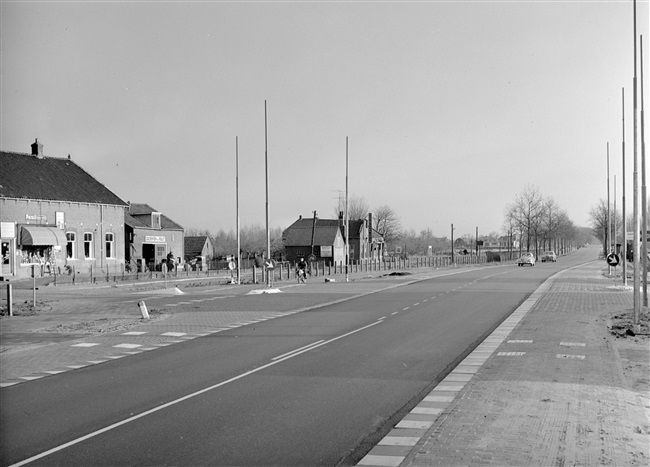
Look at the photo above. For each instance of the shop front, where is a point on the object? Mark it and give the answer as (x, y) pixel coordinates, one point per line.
(25, 247)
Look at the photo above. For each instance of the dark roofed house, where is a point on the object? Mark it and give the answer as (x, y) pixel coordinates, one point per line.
(321, 238)
(56, 216)
(199, 246)
(365, 243)
(152, 238)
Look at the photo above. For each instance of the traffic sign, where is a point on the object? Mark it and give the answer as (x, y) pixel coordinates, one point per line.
(613, 259)
(270, 264)
(231, 265)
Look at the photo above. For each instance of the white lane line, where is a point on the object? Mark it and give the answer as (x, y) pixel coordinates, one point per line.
(416, 304)
(394, 312)
(184, 398)
(404, 309)
(297, 350)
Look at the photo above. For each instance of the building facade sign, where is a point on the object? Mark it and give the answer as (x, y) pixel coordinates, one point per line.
(41, 219)
(154, 238)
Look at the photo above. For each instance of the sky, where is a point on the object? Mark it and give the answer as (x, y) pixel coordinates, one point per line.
(450, 108)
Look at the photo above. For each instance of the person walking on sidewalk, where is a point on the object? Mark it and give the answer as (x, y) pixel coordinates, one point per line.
(301, 271)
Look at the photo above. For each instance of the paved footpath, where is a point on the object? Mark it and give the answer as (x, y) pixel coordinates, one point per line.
(548, 387)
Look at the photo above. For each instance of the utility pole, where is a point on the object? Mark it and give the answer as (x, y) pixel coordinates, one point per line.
(266, 167)
(347, 216)
(644, 197)
(637, 227)
(624, 250)
(237, 208)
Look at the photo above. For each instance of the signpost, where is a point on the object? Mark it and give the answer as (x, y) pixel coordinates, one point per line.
(270, 267)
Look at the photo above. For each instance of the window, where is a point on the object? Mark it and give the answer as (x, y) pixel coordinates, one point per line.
(155, 220)
(110, 245)
(88, 245)
(71, 247)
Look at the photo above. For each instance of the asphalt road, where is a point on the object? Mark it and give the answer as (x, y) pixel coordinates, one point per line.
(316, 388)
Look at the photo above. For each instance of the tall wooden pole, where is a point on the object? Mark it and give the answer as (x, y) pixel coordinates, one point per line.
(347, 215)
(624, 250)
(266, 166)
(237, 209)
(644, 196)
(637, 227)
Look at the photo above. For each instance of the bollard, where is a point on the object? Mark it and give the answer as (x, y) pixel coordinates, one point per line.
(143, 309)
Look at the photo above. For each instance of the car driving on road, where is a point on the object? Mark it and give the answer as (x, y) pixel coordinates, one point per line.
(549, 256)
(526, 258)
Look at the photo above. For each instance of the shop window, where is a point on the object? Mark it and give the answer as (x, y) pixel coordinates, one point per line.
(88, 245)
(110, 245)
(71, 246)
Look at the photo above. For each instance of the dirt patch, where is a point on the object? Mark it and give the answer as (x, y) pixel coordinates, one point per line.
(102, 325)
(27, 308)
(633, 347)
(622, 325)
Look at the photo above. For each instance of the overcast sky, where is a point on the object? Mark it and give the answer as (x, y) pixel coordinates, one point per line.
(451, 108)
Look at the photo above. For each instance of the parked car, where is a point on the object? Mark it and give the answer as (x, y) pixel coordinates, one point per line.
(526, 258)
(549, 256)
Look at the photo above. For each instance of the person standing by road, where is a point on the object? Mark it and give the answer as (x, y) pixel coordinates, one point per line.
(301, 271)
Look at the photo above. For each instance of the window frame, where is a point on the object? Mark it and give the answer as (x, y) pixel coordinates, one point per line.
(109, 245)
(89, 245)
(71, 245)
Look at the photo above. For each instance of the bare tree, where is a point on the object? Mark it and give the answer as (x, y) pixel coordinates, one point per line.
(599, 226)
(358, 207)
(525, 214)
(387, 223)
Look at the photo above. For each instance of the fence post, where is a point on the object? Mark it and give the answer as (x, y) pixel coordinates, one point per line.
(10, 306)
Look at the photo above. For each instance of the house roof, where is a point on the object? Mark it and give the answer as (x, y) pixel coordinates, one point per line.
(24, 176)
(139, 215)
(300, 232)
(194, 245)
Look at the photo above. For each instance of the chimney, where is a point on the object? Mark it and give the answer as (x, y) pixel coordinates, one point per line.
(37, 149)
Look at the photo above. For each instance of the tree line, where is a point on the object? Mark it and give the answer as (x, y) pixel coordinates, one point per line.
(532, 221)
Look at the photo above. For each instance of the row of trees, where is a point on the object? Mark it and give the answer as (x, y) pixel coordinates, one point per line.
(538, 223)
(535, 221)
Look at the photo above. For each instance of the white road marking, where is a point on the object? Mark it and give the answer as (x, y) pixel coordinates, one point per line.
(184, 398)
(297, 350)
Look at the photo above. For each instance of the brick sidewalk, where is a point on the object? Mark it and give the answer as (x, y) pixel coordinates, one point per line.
(546, 389)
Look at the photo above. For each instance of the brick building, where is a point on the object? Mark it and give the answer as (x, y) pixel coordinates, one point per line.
(55, 216)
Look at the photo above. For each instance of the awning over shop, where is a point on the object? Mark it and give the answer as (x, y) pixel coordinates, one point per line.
(40, 235)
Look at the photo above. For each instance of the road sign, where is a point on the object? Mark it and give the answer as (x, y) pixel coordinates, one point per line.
(270, 264)
(231, 265)
(312, 258)
(613, 259)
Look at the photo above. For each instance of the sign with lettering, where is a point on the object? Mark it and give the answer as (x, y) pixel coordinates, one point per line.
(326, 251)
(36, 217)
(154, 238)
